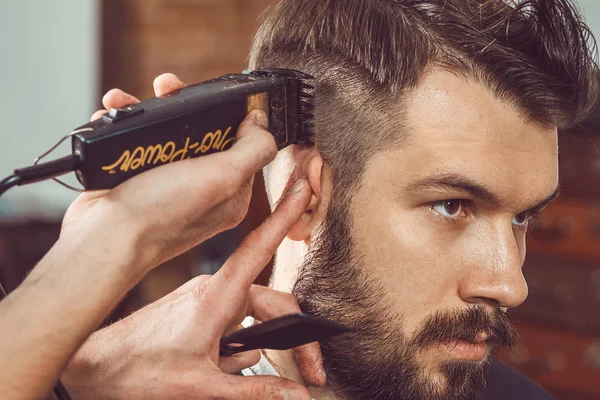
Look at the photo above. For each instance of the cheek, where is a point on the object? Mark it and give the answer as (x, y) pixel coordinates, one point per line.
(411, 258)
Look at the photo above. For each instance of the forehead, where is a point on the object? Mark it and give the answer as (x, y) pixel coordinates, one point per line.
(458, 126)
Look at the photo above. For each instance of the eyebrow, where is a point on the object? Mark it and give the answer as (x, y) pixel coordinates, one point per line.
(458, 182)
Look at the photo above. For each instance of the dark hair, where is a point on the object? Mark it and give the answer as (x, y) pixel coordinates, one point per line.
(536, 54)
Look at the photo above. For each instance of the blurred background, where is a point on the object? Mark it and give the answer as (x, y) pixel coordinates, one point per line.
(59, 58)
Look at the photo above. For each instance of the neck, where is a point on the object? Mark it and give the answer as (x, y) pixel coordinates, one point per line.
(288, 259)
(285, 364)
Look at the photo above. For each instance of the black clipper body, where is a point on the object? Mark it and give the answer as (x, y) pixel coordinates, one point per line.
(197, 120)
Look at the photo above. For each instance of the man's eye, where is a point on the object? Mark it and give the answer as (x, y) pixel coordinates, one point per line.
(521, 219)
(450, 208)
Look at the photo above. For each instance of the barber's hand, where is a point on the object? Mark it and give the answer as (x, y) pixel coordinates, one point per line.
(163, 212)
(170, 349)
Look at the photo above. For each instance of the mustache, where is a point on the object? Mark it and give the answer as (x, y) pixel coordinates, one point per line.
(465, 325)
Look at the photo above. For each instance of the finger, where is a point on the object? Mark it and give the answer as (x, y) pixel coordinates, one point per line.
(244, 265)
(260, 388)
(193, 284)
(310, 361)
(98, 114)
(167, 83)
(254, 148)
(237, 362)
(116, 98)
(265, 304)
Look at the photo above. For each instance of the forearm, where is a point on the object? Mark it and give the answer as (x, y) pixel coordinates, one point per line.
(57, 307)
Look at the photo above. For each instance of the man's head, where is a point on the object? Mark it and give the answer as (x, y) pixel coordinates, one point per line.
(436, 131)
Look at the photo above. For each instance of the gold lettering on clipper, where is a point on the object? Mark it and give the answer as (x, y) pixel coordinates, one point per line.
(167, 153)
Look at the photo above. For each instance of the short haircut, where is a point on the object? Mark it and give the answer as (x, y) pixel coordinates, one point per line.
(538, 55)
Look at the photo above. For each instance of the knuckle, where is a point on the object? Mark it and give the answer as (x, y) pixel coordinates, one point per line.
(185, 386)
(200, 279)
(253, 239)
(230, 186)
(200, 287)
(262, 144)
(212, 393)
(262, 391)
(225, 178)
(235, 211)
(290, 301)
(276, 389)
(238, 214)
(270, 145)
(245, 125)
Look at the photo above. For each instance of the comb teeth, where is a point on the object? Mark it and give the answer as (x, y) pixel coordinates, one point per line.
(306, 116)
(307, 105)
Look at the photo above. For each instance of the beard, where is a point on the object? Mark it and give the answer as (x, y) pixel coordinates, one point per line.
(377, 360)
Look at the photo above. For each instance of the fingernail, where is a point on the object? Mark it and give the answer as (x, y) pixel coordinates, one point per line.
(260, 118)
(298, 186)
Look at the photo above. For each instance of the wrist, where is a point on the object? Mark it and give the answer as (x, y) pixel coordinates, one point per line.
(80, 374)
(88, 374)
(114, 247)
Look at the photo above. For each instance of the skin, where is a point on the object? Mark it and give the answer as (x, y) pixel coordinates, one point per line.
(429, 255)
(109, 240)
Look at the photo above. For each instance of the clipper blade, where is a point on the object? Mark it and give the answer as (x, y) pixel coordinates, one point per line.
(306, 116)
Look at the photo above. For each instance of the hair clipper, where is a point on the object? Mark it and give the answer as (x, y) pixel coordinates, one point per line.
(194, 121)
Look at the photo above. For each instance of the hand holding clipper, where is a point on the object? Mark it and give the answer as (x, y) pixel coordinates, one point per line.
(195, 198)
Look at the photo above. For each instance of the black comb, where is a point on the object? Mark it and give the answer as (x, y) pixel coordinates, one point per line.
(281, 334)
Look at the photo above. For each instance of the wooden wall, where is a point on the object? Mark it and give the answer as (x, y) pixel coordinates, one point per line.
(195, 39)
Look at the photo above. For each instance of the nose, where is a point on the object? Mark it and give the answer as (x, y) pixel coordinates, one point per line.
(493, 275)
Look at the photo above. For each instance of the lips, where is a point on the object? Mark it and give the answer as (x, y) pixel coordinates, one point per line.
(475, 350)
(474, 333)
(465, 350)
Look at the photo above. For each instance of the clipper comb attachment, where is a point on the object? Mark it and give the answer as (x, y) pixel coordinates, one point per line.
(302, 95)
(306, 114)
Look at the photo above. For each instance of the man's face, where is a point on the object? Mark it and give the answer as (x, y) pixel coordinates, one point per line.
(430, 248)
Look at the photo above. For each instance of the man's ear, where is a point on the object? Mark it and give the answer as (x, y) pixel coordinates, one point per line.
(312, 170)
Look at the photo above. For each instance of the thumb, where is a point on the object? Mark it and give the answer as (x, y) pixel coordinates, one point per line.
(263, 387)
(254, 147)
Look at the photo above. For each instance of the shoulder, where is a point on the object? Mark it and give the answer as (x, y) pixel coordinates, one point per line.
(504, 382)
